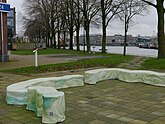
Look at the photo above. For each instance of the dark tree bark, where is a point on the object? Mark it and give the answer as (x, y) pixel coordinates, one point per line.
(64, 39)
(77, 37)
(104, 36)
(71, 38)
(78, 22)
(103, 26)
(48, 38)
(125, 35)
(87, 36)
(58, 33)
(54, 37)
(161, 36)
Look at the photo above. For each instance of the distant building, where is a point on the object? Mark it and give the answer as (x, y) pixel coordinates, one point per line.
(118, 40)
(11, 26)
(115, 40)
(95, 39)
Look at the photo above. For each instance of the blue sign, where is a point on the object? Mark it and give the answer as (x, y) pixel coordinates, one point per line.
(4, 7)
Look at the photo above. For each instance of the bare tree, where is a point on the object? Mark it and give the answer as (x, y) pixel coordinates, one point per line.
(33, 23)
(130, 9)
(159, 6)
(32, 31)
(89, 9)
(109, 8)
(69, 7)
(45, 13)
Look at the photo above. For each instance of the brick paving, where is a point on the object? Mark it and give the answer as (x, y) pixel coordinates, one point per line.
(107, 102)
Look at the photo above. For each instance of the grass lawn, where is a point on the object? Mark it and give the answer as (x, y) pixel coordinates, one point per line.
(111, 60)
(51, 51)
(154, 64)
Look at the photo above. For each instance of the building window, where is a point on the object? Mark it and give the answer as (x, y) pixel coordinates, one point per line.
(10, 22)
(113, 40)
(10, 14)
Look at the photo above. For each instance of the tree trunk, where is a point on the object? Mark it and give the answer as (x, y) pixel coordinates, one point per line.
(64, 39)
(59, 40)
(125, 43)
(71, 39)
(48, 39)
(78, 26)
(39, 36)
(77, 38)
(104, 35)
(51, 40)
(161, 36)
(103, 27)
(54, 40)
(71, 25)
(87, 36)
(104, 40)
(125, 35)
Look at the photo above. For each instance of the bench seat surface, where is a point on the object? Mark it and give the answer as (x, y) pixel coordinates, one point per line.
(147, 77)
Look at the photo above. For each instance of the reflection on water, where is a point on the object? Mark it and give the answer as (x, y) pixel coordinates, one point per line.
(130, 50)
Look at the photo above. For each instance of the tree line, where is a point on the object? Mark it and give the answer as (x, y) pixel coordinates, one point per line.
(46, 19)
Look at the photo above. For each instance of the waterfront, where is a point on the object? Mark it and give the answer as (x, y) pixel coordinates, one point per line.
(130, 50)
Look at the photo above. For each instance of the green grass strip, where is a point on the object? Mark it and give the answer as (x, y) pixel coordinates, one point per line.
(109, 61)
(52, 51)
(154, 64)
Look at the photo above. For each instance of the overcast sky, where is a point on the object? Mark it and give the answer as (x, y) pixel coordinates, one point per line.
(146, 25)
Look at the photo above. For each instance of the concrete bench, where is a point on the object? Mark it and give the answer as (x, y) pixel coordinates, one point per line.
(147, 77)
(17, 93)
(47, 103)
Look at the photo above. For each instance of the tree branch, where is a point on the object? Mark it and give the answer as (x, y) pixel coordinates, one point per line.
(149, 3)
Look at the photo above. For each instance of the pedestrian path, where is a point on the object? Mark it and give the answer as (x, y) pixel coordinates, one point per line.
(18, 61)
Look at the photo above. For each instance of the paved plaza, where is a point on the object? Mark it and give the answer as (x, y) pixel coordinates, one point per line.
(107, 102)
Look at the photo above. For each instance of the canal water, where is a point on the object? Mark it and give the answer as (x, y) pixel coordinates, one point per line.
(129, 51)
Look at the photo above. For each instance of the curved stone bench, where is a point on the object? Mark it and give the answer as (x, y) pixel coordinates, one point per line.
(147, 77)
(17, 93)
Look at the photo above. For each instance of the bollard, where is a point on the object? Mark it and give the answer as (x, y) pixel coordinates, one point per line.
(36, 56)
